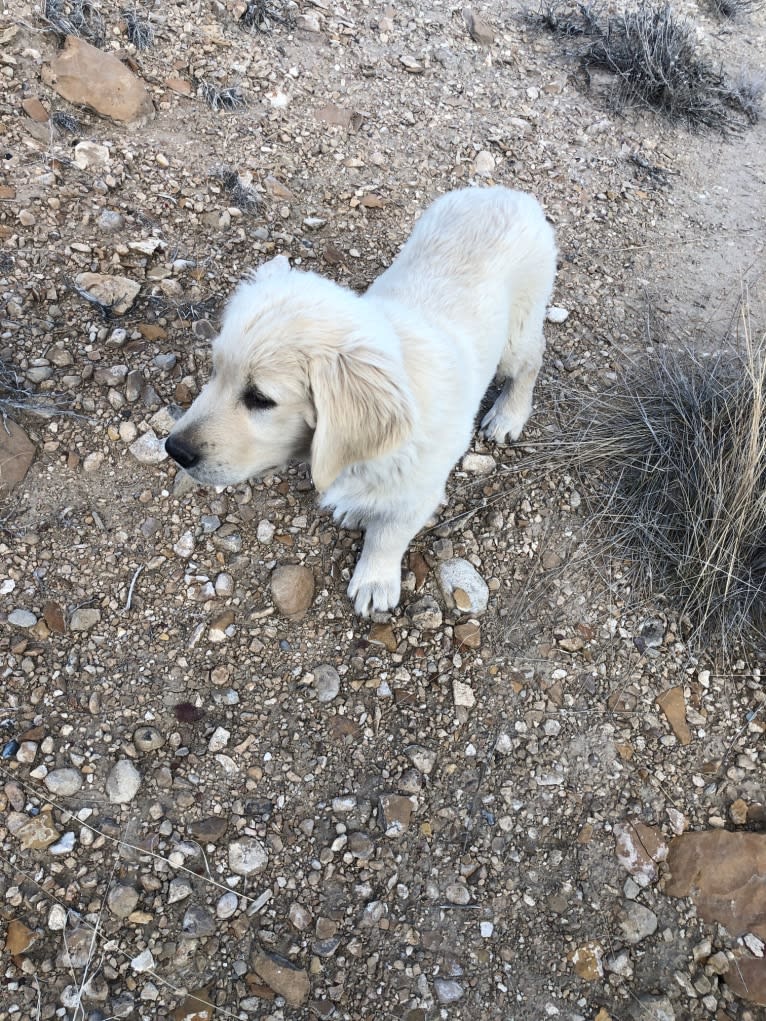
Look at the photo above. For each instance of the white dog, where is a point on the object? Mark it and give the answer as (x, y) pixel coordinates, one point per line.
(379, 391)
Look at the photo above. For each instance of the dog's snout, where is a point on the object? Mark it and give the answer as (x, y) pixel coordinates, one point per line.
(181, 451)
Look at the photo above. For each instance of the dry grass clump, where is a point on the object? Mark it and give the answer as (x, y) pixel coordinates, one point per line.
(139, 30)
(262, 15)
(15, 395)
(734, 9)
(218, 98)
(654, 60)
(676, 449)
(242, 195)
(75, 17)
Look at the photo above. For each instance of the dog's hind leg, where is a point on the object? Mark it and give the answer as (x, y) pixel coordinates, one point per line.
(519, 366)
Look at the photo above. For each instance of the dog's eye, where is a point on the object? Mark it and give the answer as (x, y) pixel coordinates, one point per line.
(254, 400)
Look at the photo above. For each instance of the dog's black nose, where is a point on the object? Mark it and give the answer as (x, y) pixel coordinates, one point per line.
(181, 451)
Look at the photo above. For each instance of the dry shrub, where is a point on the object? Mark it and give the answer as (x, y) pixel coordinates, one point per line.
(676, 452)
(139, 29)
(262, 15)
(654, 59)
(218, 98)
(75, 17)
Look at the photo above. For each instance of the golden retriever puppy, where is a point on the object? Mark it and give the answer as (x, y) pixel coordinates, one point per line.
(378, 391)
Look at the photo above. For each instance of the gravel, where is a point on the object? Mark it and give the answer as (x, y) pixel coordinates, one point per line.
(220, 789)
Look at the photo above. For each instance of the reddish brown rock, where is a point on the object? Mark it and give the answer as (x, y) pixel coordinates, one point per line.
(86, 76)
(673, 705)
(724, 873)
(17, 452)
(747, 978)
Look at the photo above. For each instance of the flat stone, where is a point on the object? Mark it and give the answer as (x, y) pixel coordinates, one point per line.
(53, 616)
(639, 848)
(22, 618)
(637, 922)
(117, 293)
(383, 634)
(89, 155)
(247, 857)
(326, 682)
(425, 614)
(673, 705)
(458, 893)
(198, 922)
(587, 961)
(84, 619)
(285, 978)
(148, 448)
(397, 811)
(484, 165)
(89, 77)
(17, 452)
(447, 991)
(64, 782)
(226, 905)
(463, 587)
(209, 830)
(123, 782)
(725, 875)
(37, 833)
(421, 758)
(556, 314)
(292, 589)
(122, 900)
(147, 739)
(468, 635)
(478, 464)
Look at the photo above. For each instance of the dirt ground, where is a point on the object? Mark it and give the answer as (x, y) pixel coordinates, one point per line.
(211, 810)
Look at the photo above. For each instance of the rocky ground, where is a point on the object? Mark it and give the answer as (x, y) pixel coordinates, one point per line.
(222, 794)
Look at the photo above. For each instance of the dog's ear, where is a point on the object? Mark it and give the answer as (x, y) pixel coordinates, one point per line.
(363, 410)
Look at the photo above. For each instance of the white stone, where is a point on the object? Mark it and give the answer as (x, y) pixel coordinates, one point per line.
(219, 739)
(143, 962)
(123, 782)
(247, 856)
(461, 574)
(148, 448)
(556, 314)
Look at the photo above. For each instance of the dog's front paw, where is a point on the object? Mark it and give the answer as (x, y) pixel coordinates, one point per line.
(500, 427)
(374, 590)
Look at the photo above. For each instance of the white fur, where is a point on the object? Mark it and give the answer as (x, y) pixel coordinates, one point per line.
(379, 391)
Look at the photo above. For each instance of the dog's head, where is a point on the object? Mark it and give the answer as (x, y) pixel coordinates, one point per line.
(301, 370)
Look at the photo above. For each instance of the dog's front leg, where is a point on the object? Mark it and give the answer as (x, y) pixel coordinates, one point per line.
(377, 580)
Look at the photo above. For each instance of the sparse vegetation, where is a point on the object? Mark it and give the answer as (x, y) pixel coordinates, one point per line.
(217, 98)
(733, 9)
(654, 61)
(676, 449)
(75, 17)
(139, 30)
(262, 15)
(242, 195)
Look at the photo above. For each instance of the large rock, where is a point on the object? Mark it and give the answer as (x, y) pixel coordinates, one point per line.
(17, 452)
(88, 77)
(725, 875)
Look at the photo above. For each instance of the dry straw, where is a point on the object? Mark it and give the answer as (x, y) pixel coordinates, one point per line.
(675, 451)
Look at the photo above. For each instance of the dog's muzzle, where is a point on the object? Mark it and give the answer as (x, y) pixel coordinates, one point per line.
(182, 452)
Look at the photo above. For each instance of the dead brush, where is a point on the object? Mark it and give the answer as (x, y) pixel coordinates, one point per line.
(242, 195)
(139, 30)
(654, 60)
(218, 98)
(262, 15)
(734, 9)
(81, 18)
(675, 451)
